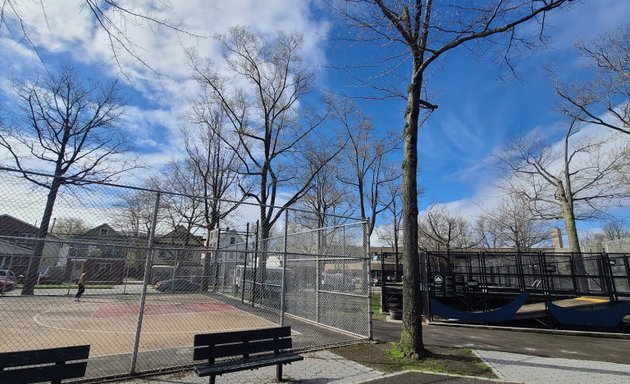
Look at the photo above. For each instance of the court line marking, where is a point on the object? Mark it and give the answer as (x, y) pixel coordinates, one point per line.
(40, 323)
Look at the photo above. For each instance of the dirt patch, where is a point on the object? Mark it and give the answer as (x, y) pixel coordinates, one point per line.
(385, 358)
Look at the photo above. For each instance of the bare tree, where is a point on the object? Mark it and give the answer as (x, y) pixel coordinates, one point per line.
(265, 117)
(605, 99)
(328, 202)
(181, 201)
(134, 212)
(367, 169)
(512, 224)
(571, 181)
(616, 229)
(68, 226)
(441, 230)
(391, 233)
(609, 239)
(70, 128)
(214, 164)
(419, 33)
(110, 16)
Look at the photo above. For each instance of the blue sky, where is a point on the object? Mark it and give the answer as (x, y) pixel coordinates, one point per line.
(477, 111)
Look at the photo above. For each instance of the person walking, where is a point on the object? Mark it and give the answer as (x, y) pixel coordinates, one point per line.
(81, 283)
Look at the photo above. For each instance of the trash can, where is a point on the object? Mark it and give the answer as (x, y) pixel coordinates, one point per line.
(395, 314)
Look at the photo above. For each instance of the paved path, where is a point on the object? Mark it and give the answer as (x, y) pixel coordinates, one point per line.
(493, 346)
(540, 370)
(572, 347)
(320, 367)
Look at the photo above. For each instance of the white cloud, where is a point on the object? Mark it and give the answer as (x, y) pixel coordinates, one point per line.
(68, 30)
(486, 196)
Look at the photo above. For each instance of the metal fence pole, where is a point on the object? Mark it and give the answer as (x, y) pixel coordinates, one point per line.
(284, 266)
(216, 260)
(147, 272)
(317, 282)
(366, 268)
(9, 267)
(126, 272)
(224, 265)
(245, 264)
(254, 290)
(74, 264)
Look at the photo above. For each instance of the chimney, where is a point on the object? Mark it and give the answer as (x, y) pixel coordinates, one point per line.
(556, 238)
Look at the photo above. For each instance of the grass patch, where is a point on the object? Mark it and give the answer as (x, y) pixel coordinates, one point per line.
(387, 358)
(376, 307)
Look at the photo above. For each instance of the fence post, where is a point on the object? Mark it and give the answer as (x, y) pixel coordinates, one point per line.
(74, 265)
(254, 291)
(384, 308)
(10, 264)
(425, 264)
(317, 281)
(147, 272)
(244, 264)
(366, 268)
(216, 260)
(284, 266)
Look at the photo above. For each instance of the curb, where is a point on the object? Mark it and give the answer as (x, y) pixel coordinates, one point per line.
(601, 335)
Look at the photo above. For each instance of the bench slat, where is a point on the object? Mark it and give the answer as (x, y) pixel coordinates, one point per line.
(43, 356)
(240, 365)
(43, 373)
(239, 349)
(231, 337)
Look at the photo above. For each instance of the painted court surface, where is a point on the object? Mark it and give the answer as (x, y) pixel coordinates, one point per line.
(109, 323)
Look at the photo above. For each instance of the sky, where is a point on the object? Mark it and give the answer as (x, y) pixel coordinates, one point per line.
(478, 110)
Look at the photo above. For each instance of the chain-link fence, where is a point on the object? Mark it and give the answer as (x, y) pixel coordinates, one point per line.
(157, 270)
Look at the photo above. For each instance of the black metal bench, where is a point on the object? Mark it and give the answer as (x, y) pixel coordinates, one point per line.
(43, 365)
(243, 350)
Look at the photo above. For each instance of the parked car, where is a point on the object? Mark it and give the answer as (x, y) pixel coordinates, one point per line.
(52, 275)
(7, 280)
(177, 285)
(338, 282)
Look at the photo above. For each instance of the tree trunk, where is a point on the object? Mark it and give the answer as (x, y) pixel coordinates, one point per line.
(569, 223)
(574, 246)
(32, 273)
(411, 337)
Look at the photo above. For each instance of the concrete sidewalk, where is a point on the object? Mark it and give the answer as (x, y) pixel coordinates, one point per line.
(495, 347)
(321, 367)
(542, 370)
(325, 367)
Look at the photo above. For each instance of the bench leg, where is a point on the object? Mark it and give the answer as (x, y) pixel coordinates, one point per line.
(212, 377)
(279, 372)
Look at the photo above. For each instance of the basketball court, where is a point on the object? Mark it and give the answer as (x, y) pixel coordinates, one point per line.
(109, 323)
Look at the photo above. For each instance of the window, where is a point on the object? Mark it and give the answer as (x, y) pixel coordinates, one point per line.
(232, 240)
(103, 232)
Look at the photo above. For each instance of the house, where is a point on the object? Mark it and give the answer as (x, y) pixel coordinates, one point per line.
(100, 253)
(178, 254)
(17, 243)
(229, 244)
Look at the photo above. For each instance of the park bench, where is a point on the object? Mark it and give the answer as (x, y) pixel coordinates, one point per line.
(243, 350)
(43, 365)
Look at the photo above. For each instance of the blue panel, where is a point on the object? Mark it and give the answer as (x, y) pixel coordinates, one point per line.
(604, 318)
(499, 315)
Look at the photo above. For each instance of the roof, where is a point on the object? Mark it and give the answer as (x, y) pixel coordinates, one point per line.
(13, 227)
(179, 235)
